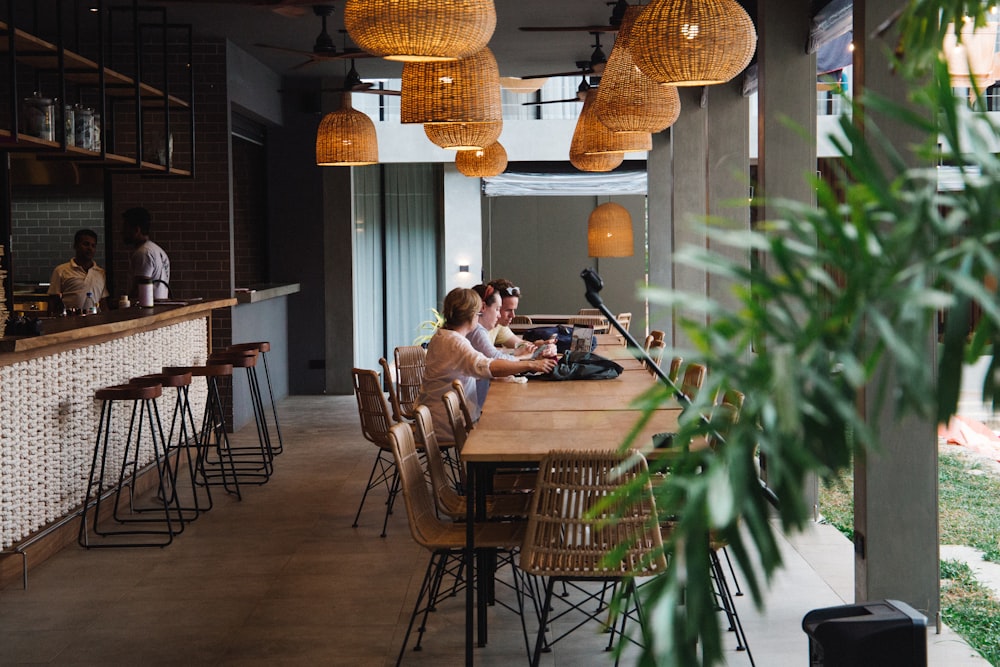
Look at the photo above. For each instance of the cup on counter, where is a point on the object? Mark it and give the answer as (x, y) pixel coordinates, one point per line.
(145, 293)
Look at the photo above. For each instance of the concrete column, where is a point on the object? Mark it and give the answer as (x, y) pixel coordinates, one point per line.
(659, 207)
(338, 276)
(786, 132)
(463, 230)
(690, 197)
(895, 494)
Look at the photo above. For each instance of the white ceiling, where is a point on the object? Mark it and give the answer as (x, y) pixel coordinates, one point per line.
(518, 53)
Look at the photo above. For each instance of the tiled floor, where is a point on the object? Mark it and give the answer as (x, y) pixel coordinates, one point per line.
(282, 578)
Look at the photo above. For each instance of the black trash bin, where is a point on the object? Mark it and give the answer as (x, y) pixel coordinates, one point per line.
(886, 633)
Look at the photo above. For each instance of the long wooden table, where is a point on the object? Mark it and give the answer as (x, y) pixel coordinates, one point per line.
(522, 423)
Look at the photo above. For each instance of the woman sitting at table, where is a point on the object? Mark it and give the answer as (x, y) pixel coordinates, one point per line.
(450, 356)
(480, 338)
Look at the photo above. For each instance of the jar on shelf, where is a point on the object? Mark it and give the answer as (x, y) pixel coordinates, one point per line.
(38, 117)
(97, 132)
(69, 125)
(84, 118)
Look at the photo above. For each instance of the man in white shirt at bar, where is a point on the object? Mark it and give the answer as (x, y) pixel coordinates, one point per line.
(148, 261)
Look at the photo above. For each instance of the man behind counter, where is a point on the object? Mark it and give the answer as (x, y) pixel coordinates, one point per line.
(147, 261)
(81, 274)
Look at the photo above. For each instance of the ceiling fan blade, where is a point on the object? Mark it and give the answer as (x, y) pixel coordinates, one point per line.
(379, 91)
(285, 49)
(569, 28)
(534, 104)
(575, 72)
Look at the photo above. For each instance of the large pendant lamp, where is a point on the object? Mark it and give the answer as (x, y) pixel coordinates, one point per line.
(628, 100)
(482, 162)
(464, 94)
(609, 231)
(346, 137)
(420, 30)
(693, 42)
(591, 136)
(974, 58)
(597, 163)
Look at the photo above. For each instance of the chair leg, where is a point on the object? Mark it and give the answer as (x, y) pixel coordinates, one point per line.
(383, 472)
(543, 619)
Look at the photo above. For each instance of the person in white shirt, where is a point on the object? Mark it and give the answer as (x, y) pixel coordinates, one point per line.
(148, 261)
(81, 274)
(450, 356)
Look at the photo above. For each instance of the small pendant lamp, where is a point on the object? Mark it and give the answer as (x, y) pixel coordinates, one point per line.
(609, 231)
(464, 136)
(599, 163)
(693, 42)
(420, 30)
(592, 136)
(346, 137)
(482, 162)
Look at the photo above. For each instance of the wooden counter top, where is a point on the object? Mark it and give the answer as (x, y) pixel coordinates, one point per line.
(69, 332)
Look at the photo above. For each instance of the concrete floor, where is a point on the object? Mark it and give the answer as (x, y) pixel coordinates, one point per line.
(282, 578)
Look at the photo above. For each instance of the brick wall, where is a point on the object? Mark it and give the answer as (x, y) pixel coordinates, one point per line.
(43, 229)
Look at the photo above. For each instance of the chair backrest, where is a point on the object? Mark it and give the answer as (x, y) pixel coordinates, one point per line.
(423, 520)
(598, 322)
(734, 398)
(589, 311)
(453, 408)
(410, 364)
(694, 377)
(724, 415)
(655, 352)
(657, 334)
(624, 319)
(373, 409)
(566, 537)
(463, 404)
(448, 502)
(675, 368)
(397, 413)
(521, 319)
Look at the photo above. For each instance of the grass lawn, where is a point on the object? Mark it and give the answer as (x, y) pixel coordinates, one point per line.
(968, 516)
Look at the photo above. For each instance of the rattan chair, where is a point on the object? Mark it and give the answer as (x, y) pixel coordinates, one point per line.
(390, 386)
(521, 319)
(410, 364)
(463, 404)
(655, 352)
(448, 501)
(624, 319)
(589, 311)
(694, 377)
(566, 541)
(674, 372)
(598, 323)
(444, 539)
(376, 421)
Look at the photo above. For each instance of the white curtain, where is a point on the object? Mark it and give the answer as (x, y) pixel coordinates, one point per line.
(395, 256)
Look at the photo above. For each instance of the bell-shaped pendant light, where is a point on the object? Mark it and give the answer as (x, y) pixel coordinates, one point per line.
(693, 42)
(346, 137)
(628, 100)
(609, 231)
(457, 91)
(482, 162)
(420, 30)
(596, 162)
(463, 136)
(592, 136)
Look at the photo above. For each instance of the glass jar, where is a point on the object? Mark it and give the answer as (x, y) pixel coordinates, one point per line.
(84, 117)
(69, 125)
(38, 117)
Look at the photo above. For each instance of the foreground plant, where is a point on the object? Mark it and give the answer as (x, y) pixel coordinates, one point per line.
(852, 285)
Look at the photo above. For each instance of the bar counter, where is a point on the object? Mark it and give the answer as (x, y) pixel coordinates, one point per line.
(48, 415)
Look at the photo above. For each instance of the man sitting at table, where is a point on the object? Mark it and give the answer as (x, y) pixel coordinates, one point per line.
(501, 335)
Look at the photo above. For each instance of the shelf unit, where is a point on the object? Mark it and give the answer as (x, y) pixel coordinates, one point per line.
(108, 86)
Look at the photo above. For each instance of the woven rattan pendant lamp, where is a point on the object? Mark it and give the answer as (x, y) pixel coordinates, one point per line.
(464, 94)
(591, 136)
(597, 163)
(420, 30)
(693, 42)
(482, 162)
(346, 137)
(628, 100)
(609, 231)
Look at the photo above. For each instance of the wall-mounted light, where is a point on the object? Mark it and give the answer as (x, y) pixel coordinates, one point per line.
(463, 268)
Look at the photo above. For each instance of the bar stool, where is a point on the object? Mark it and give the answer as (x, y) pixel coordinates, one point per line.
(263, 347)
(221, 470)
(182, 422)
(166, 511)
(263, 453)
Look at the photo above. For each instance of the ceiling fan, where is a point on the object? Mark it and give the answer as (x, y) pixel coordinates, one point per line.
(593, 66)
(617, 13)
(354, 84)
(581, 90)
(324, 49)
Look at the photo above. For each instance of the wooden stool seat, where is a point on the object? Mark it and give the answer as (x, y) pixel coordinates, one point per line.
(129, 392)
(234, 359)
(262, 346)
(208, 370)
(164, 379)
